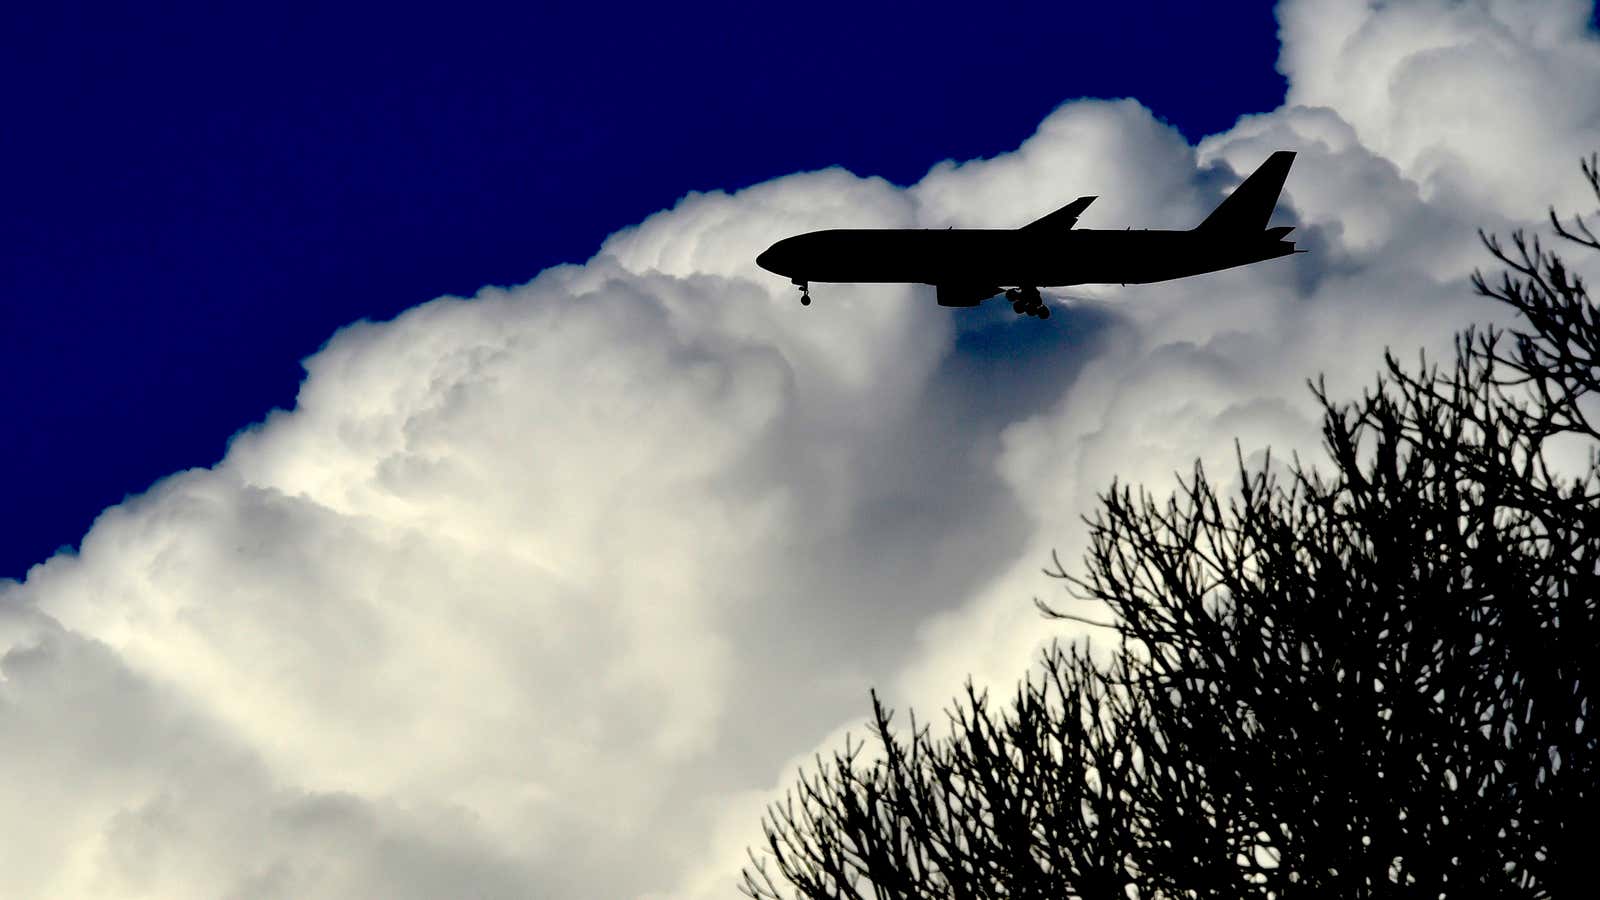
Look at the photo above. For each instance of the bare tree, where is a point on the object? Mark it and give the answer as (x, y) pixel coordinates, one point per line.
(1373, 681)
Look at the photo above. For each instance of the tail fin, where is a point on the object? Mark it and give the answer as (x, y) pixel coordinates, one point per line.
(1250, 205)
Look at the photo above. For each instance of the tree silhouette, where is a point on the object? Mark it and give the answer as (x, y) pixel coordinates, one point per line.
(1373, 681)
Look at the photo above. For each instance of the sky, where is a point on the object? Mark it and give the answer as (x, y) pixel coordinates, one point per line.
(368, 593)
(197, 198)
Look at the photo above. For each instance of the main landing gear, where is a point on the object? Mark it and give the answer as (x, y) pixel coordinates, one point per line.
(1025, 301)
(805, 292)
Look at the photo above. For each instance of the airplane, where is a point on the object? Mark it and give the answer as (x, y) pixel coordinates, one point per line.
(968, 265)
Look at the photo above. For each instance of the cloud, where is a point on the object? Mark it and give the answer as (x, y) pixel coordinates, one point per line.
(545, 592)
(1485, 103)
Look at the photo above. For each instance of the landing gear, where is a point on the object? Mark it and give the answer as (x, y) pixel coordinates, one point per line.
(1025, 301)
(805, 292)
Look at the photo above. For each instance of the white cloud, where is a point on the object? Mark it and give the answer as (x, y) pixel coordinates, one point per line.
(543, 592)
(1488, 103)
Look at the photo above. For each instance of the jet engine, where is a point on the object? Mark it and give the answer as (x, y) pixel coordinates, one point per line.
(964, 294)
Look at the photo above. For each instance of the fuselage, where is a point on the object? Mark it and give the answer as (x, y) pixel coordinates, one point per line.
(1006, 257)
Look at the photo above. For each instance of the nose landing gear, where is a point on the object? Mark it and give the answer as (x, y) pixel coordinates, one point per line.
(805, 292)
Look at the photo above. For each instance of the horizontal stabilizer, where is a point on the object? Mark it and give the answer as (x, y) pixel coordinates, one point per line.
(1063, 218)
(1250, 205)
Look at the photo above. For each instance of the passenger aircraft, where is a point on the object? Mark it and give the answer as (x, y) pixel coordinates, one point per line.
(968, 266)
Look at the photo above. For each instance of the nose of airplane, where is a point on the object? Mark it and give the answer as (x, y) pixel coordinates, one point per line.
(778, 258)
(768, 259)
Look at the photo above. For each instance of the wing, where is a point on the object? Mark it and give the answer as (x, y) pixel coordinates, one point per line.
(964, 294)
(1061, 219)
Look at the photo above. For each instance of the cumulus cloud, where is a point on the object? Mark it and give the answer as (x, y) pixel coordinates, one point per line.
(547, 591)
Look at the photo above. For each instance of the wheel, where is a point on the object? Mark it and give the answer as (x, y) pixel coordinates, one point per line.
(1044, 312)
(805, 299)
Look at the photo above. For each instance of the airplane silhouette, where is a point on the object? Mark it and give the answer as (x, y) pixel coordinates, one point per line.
(969, 265)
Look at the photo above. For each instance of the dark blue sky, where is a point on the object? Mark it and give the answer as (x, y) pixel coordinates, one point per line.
(196, 197)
